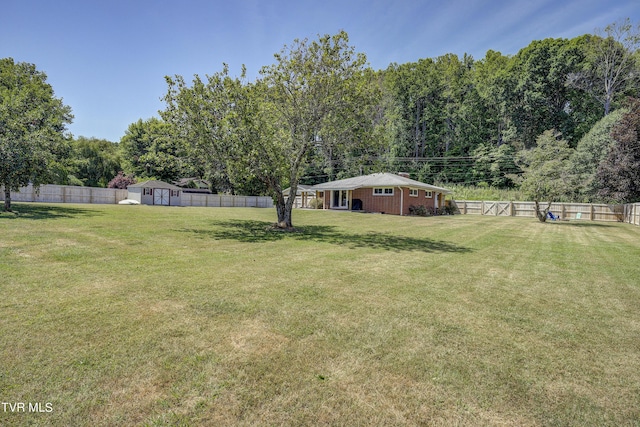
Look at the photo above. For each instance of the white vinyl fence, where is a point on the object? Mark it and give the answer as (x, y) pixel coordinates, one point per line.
(225, 201)
(67, 194)
(73, 194)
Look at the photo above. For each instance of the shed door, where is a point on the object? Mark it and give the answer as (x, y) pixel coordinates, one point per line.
(161, 196)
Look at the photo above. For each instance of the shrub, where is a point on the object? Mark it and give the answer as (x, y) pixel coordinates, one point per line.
(315, 203)
(121, 181)
(449, 209)
(418, 210)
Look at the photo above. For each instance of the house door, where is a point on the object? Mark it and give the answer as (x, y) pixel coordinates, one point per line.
(161, 196)
(340, 200)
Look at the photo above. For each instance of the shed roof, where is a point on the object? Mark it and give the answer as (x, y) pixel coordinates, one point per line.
(378, 180)
(152, 183)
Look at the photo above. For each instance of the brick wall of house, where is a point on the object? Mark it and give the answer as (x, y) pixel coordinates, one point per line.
(421, 200)
(385, 203)
(391, 204)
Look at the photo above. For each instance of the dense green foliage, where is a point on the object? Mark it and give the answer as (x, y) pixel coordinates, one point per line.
(318, 113)
(619, 173)
(151, 149)
(546, 171)
(456, 120)
(94, 162)
(590, 152)
(315, 100)
(32, 127)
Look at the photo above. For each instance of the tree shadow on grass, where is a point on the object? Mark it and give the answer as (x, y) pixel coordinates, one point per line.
(585, 223)
(34, 211)
(251, 231)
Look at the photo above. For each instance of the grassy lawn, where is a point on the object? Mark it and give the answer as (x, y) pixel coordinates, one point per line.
(138, 315)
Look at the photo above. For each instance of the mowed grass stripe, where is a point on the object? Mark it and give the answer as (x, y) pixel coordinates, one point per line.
(136, 315)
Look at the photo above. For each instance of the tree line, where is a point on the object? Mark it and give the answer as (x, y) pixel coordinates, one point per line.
(558, 119)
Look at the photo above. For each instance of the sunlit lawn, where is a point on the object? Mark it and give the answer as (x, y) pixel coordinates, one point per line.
(136, 315)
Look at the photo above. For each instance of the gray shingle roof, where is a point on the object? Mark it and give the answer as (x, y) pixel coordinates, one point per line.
(155, 184)
(377, 180)
(301, 188)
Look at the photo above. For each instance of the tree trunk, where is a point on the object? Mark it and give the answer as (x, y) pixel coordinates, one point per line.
(7, 198)
(284, 217)
(542, 215)
(284, 208)
(416, 148)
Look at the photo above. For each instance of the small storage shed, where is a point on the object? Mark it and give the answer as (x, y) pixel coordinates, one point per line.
(154, 192)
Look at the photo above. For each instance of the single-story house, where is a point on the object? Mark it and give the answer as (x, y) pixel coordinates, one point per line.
(381, 193)
(193, 185)
(154, 192)
(304, 195)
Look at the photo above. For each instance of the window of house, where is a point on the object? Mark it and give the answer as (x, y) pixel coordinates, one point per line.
(174, 193)
(413, 192)
(428, 194)
(147, 191)
(388, 191)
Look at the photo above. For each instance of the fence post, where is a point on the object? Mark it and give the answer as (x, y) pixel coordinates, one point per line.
(624, 212)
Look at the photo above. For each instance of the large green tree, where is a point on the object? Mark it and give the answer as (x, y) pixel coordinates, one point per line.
(619, 173)
(495, 88)
(612, 67)
(494, 165)
(151, 149)
(215, 117)
(32, 126)
(592, 149)
(541, 99)
(546, 171)
(93, 161)
(315, 98)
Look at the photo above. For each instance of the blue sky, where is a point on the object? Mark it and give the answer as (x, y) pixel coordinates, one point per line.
(107, 59)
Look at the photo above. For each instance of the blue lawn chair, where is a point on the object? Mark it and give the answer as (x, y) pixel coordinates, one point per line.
(552, 216)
